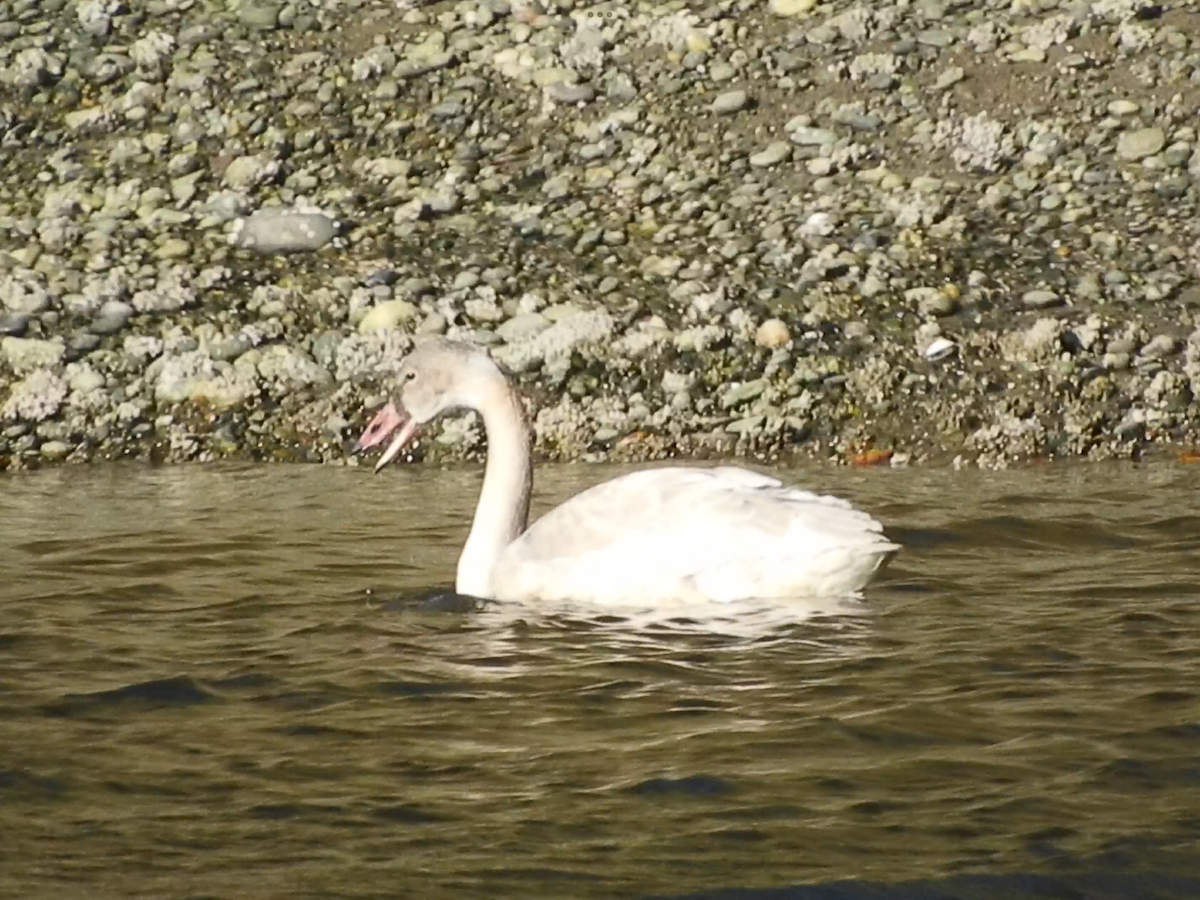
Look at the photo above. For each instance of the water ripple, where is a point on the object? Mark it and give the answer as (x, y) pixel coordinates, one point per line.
(254, 682)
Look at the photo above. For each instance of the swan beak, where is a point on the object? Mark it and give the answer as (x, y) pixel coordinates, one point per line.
(383, 424)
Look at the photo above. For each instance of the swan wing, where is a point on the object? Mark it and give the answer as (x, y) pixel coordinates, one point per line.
(691, 535)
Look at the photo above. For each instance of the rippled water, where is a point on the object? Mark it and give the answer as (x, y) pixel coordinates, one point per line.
(236, 682)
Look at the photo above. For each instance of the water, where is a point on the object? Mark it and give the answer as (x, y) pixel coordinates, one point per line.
(237, 682)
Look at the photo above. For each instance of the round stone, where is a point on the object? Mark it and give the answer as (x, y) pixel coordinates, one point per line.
(790, 8)
(386, 316)
(772, 334)
(730, 102)
(54, 449)
(775, 153)
(1141, 143)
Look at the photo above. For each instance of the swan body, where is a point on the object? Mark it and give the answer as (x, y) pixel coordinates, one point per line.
(683, 534)
(654, 537)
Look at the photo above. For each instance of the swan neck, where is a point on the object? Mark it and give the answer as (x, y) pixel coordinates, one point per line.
(503, 509)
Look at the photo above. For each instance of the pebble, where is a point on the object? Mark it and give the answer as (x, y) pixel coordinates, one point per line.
(791, 8)
(949, 78)
(259, 16)
(82, 342)
(1139, 144)
(571, 93)
(113, 316)
(730, 102)
(773, 154)
(388, 315)
(772, 334)
(1040, 299)
(933, 301)
(813, 136)
(54, 450)
(14, 323)
(274, 230)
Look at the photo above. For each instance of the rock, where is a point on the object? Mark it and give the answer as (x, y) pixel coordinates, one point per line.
(661, 266)
(791, 8)
(36, 397)
(808, 136)
(523, 327)
(570, 93)
(747, 425)
(112, 317)
(772, 334)
(82, 342)
(1040, 299)
(173, 248)
(1159, 347)
(932, 301)
(388, 315)
(949, 77)
(171, 293)
(288, 369)
(739, 394)
(730, 102)
(192, 376)
(54, 450)
(259, 16)
(248, 171)
(27, 354)
(775, 153)
(282, 230)
(23, 292)
(1133, 145)
(14, 323)
(83, 379)
(229, 349)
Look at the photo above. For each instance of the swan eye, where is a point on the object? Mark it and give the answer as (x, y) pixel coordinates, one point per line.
(409, 376)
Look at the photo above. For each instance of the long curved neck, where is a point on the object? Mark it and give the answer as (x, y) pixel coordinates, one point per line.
(503, 509)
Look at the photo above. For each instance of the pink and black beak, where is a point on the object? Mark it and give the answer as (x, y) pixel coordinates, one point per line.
(383, 423)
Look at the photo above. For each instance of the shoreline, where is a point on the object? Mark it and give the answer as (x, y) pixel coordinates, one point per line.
(787, 230)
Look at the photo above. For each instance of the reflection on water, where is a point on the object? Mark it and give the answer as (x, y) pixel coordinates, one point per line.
(252, 682)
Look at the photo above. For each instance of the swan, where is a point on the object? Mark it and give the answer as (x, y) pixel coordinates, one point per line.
(653, 537)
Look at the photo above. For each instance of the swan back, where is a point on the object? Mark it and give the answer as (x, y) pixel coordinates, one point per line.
(681, 534)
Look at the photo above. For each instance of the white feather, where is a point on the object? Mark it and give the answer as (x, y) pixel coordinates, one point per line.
(684, 535)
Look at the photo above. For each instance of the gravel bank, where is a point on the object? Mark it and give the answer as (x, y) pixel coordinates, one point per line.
(950, 230)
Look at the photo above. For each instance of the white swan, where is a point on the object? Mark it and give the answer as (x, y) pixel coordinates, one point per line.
(657, 536)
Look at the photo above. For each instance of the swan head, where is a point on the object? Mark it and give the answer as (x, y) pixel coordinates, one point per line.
(439, 375)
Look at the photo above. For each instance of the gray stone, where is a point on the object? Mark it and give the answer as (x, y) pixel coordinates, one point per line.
(571, 93)
(14, 323)
(1139, 144)
(948, 78)
(730, 102)
(54, 449)
(229, 349)
(83, 342)
(809, 136)
(1040, 299)
(774, 153)
(1159, 346)
(111, 318)
(739, 394)
(283, 230)
(260, 16)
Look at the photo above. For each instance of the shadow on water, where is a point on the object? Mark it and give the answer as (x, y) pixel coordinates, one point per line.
(1015, 886)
